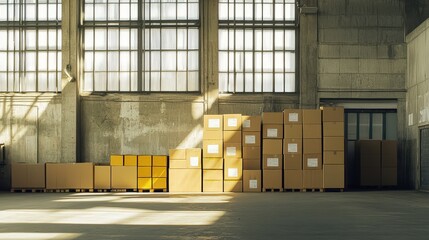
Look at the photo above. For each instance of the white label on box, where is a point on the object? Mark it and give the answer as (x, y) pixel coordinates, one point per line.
(246, 123)
(193, 161)
(253, 184)
(292, 147)
(231, 151)
(214, 123)
(293, 117)
(272, 132)
(272, 162)
(232, 172)
(250, 139)
(213, 148)
(232, 122)
(312, 162)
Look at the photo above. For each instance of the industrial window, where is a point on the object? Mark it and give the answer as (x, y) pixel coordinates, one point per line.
(257, 46)
(30, 45)
(141, 46)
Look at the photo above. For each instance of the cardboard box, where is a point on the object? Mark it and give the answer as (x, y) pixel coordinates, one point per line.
(212, 135)
(233, 169)
(272, 179)
(28, 176)
(123, 177)
(144, 161)
(333, 144)
(213, 163)
(333, 157)
(252, 181)
(184, 180)
(213, 122)
(70, 175)
(213, 148)
(144, 172)
(159, 161)
(312, 131)
(333, 114)
(232, 186)
(312, 145)
(177, 154)
(101, 177)
(232, 137)
(333, 176)
(333, 129)
(292, 131)
(292, 162)
(213, 175)
(232, 150)
(231, 122)
(370, 176)
(272, 118)
(159, 172)
(251, 139)
(369, 153)
(389, 176)
(272, 146)
(159, 183)
(272, 131)
(272, 162)
(251, 123)
(116, 160)
(389, 154)
(251, 164)
(292, 146)
(130, 160)
(175, 163)
(193, 157)
(293, 179)
(292, 116)
(312, 161)
(144, 183)
(312, 116)
(252, 153)
(312, 179)
(212, 186)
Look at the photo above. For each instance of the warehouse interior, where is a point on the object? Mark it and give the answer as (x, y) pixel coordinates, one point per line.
(82, 81)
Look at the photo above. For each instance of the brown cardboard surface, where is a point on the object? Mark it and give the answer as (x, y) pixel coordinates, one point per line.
(116, 160)
(212, 135)
(389, 176)
(272, 146)
(312, 131)
(312, 161)
(292, 146)
(272, 131)
(292, 131)
(333, 176)
(27, 176)
(130, 160)
(19, 174)
(86, 175)
(144, 172)
(389, 154)
(293, 179)
(213, 122)
(369, 152)
(333, 157)
(312, 179)
(251, 164)
(232, 150)
(292, 116)
(231, 122)
(70, 176)
(123, 177)
(213, 175)
(174, 163)
(101, 177)
(370, 176)
(213, 148)
(272, 118)
(292, 162)
(252, 180)
(212, 186)
(333, 114)
(333, 129)
(213, 163)
(312, 145)
(311, 116)
(252, 152)
(251, 123)
(159, 172)
(144, 183)
(233, 169)
(232, 186)
(177, 154)
(159, 161)
(272, 179)
(333, 144)
(51, 175)
(232, 137)
(193, 157)
(185, 180)
(251, 139)
(144, 161)
(272, 162)
(159, 183)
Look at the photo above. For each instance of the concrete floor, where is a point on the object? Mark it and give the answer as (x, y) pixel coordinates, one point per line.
(348, 215)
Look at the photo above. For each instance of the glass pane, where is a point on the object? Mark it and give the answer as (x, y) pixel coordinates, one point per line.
(29, 82)
(364, 126)
(248, 11)
(168, 37)
(377, 126)
(53, 64)
(155, 61)
(113, 39)
(223, 39)
(352, 126)
(239, 14)
(100, 41)
(267, 40)
(223, 82)
(30, 37)
(248, 44)
(258, 82)
(30, 61)
(182, 43)
(289, 62)
(267, 12)
(239, 61)
(155, 39)
(168, 81)
(43, 62)
(193, 39)
(278, 12)
(113, 81)
(290, 82)
(239, 39)
(113, 61)
(267, 79)
(289, 39)
(223, 11)
(279, 40)
(168, 60)
(223, 61)
(193, 60)
(88, 61)
(89, 40)
(279, 82)
(248, 82)
(193, 83)
(391, 126)
(100, 81)
(248, 61)
(267, 61)
(168, 11)
(181, 81)
(101, 12)
(100, 61)
(278, 62)
(155, 78)
(193, 11)
(181, 61)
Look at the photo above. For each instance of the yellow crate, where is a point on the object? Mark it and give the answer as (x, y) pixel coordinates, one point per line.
(144, 183)
(159, 172)
(144, 172)
(130, 160)
(144, 161)
(159, 183)
(159, 161)
(116, 160)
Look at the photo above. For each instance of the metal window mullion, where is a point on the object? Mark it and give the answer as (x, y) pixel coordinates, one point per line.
(140, 53)
(177, 71)
(187, 46)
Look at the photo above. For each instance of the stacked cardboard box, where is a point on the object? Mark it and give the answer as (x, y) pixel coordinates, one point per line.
(233, 172)
(159, 172)
(185, 170)
(389, 163)
(251, 142)
(272, 150)
(292, 148)
(333, 147)
(213, 153)
(102, 177)
(312, 149)
(123, 176)
(369, 155)
(28, 176)
(70, 176)
(144, 172)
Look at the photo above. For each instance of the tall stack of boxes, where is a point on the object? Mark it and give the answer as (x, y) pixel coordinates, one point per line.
(185, 170)
(233, 171)
(333, 147)
(144, 172)
(251, 142)
(272, 150)
(123, 173)
(292, 149)
(312, 149)
(213, 153)
(159, 173)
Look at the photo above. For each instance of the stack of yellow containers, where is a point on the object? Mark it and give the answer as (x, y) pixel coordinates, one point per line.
(123, 172)
(233, 171)
(144, 180)
(159, 173)
(213, 153)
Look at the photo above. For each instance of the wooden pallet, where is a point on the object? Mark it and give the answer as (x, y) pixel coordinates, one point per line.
(334, 189)
(26, 190)
(313, 190)
(69, 190)
(292, 190)
(153, 190)
(124, 190)
(102, 190)
(272, 189)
